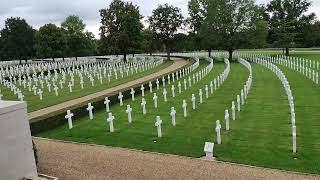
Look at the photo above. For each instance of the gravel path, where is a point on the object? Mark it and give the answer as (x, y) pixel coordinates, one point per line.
(92, 162)
(178, 63)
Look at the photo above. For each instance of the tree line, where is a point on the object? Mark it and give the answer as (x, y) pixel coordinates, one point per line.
(211, 25)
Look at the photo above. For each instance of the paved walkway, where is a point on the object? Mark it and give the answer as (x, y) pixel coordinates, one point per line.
(178, 63)
(92, 162)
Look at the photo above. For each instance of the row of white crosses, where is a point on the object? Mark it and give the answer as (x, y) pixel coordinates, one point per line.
(240, 102)
(309, 68)
(37, 83)
(268, 63)
(129, 109)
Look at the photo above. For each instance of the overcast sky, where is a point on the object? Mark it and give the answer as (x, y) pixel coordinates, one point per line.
(40, 12)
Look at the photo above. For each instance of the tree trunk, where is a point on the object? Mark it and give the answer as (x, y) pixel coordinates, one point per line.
(287, 52)
(26, 61)
(20, 61)
(209, 51)
(53, 59)
(230, 54)
(133, 54)
(125, 57)
(76, 58)
(168, 53)
(62, 58)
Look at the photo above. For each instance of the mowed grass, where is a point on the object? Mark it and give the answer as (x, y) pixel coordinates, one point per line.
(49, 98)
(187, 138)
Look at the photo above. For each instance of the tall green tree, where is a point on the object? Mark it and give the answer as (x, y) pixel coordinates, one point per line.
(17, 39)
(165, 23)
(50, 42)
(233, 24)
(121, 29)
(286, 18)
(79, 41)
(150, 42)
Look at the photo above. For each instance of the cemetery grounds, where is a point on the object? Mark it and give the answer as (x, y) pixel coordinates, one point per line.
(260, 135)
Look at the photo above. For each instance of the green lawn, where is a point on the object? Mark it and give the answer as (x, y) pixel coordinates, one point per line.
(187, 138)
(261, 134)
(49, 99)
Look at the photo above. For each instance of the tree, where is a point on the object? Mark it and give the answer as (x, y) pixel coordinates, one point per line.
(121, 29)
(50, 42)
(311, 35)
(165, 22)
(149, 43)
(285, 18)
(79, 41)
(17, 39)
(233, 24)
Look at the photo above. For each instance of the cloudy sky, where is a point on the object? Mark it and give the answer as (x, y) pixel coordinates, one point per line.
(40, 12)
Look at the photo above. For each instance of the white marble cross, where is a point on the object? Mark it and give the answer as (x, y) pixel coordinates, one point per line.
(158, 125)
(163, 82)
(173, 116)
(69, 117)
(233, 109)
(34, 88)
(242, 97)
(56, 90)
(179, 87)
(40, 92)
(211, 87)
(142, 90)
(239, 103)
(193, 100)
(128, 111)
(143, 105)
(294, 139)
(157, 83)
(89, 109)
(184, 107)
(164, 94)
(218, 131)
(106, 102)
(207, 91)
(49, 87)
(172, 91)
(155, 100)
(190, 82)
(110, 121)
(70, 87)
(120, 98)
(200, 96)
(150, 87)
(185, 84)
(132, 94)
(226, 116)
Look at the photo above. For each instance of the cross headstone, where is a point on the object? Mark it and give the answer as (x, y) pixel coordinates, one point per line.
(110, 121)
(150, 87)
(184, 107)
(173, 91)
(89, 109)
(40, 93)
(173, 116)
(143, 105)
(106, 102)
(218, 128)
(200, 96)
(120, 98)
(193, 100)
(227, 120)
(164, 94)
(128, 111)
(142, 90)
(55, 88)
(69, 117)
(158, 125)
(233, 109)
(207, 91)
(155, 100)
